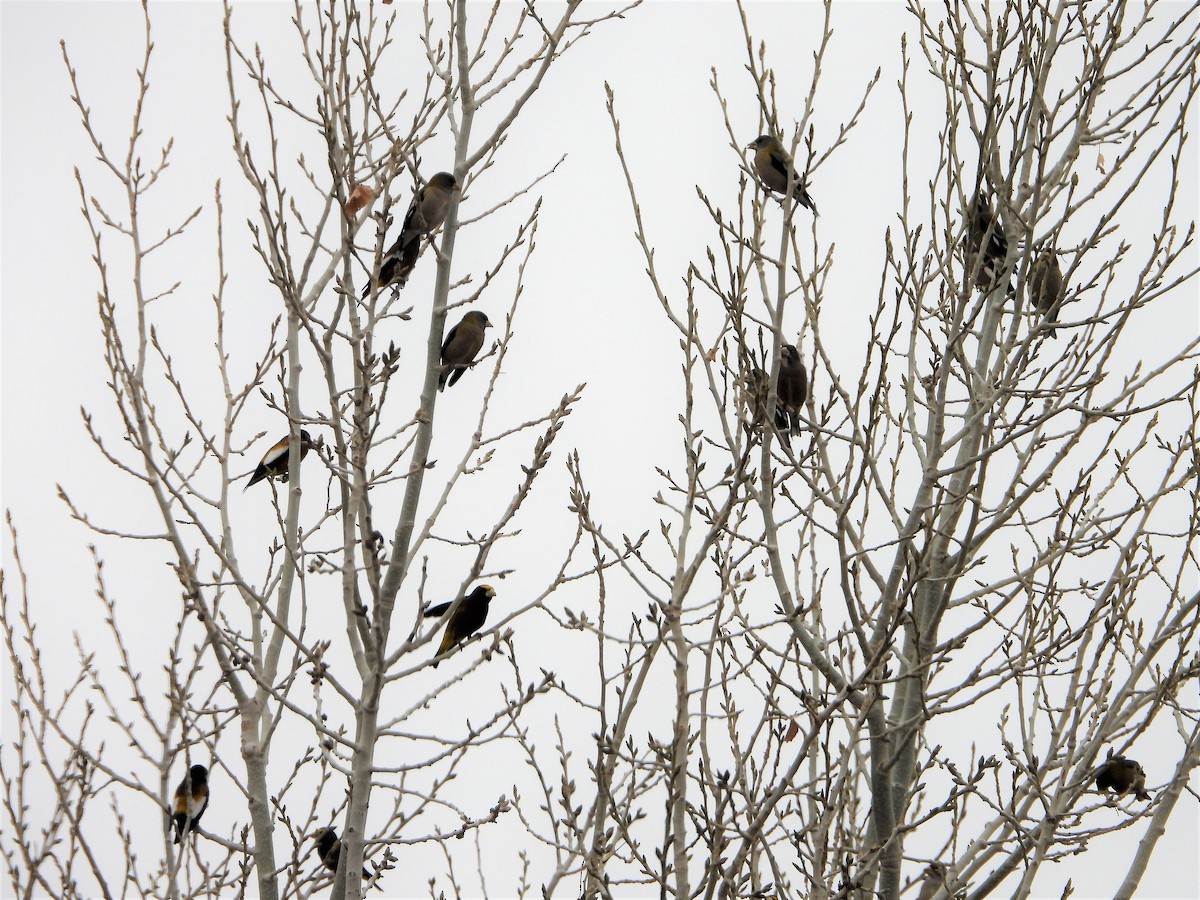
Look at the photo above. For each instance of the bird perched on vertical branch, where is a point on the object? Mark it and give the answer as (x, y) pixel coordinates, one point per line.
(1122, 776)
(1046, 286)
(465, 621)
(462, 343)
(329, 848)
(274, 463)
(774, 169)
(190, 801)
(985, 244)
(933, 881)
(425, 215)
(791, 393)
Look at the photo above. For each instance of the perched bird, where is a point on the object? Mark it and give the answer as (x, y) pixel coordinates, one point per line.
(791, 393)
(462, 343)
(933, 881)
(1122, 776)
(1046, 286)
(754, 396)
(425, 214)
(774, 169)
(329, 848)
(190, 801)
(467, 619)
(984, 262)
(275, 463)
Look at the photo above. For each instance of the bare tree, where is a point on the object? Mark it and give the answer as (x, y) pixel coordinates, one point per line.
(884, 633)
(960, 529)
(319, 165)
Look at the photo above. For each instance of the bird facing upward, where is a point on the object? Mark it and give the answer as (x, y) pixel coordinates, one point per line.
(1046, 286)
(774, 169)
(462, 343)
(274, 463)
(190, 801)
(466, 620)
(329, 848)
(1122, 776)
(425, 215)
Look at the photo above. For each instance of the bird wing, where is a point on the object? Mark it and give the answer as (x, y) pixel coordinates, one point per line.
(437, 611)
(450, 338)
(275, 455)
(780, 165)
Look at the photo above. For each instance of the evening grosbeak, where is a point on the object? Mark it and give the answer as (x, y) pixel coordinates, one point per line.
(425, 214)
(1122, 776)
(275, 463)
(466, 620)
(190, 801)
(774, 169)
(985, 245)
(462, 343)
(329, 848)
(1046, 286)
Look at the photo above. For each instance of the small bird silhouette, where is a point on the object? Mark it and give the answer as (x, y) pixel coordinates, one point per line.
(1122, 776)
(985, 244)
(425, 215)
(466, 620)
(462, 343)
(190, 801)
(329, 848)
(1046, 286)
(774, 169)
(274, 463)
(791, 394)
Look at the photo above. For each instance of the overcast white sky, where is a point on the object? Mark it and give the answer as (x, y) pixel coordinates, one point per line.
(587, 314)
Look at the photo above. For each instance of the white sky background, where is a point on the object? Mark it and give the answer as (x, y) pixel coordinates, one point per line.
(587, 314)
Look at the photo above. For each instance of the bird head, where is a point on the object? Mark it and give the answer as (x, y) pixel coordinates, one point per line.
(321, 833)
(763, 142)
(444, 181)
(198, 774)
(305, 438)
(478, 318)
(791, 355)
(488, 591)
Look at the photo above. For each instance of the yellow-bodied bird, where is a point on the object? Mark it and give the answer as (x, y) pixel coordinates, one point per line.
(774, 169)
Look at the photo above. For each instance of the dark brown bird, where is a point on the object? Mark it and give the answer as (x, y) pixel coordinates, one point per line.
(190, 801)
(791, 393)
(774, 169)
(466, 620)
(1122, 776)
(985, 245)
(1046, 286)
(462, 343)
(329, 848)
(425, 215)
(274, 463)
